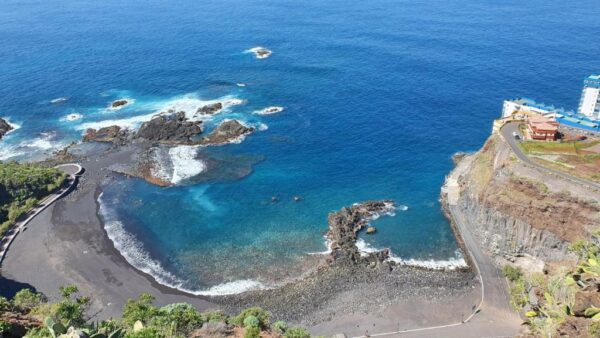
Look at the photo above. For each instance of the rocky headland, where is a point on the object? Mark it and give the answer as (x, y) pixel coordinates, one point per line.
(5, 127)
(541, 228)
(521, 210)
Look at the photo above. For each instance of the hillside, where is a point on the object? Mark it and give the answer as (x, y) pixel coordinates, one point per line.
(21, 186)
(541, 228)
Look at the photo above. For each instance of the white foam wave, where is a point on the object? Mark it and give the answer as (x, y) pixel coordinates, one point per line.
(72, 117)
(239, 84)
(185, 164)
(232, 288)
(269, 110)
(327, 245)
(37, 146)
(129, 123)
(402, 207)
(188, 103)
(135, 254)
(59, 100)
(452, 263)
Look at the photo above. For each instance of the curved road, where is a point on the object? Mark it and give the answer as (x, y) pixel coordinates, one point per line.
(72, 170)
(513, 127)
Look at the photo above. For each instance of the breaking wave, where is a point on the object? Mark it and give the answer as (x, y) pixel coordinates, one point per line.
(133, 251)
(188, 103)
(72, 117)
(451, 263)
(40, 145)
(269, 110)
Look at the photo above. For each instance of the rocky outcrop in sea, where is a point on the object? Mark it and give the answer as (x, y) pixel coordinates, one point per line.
(170, 128)
(227, 132)
(344, 227)
(5, 127)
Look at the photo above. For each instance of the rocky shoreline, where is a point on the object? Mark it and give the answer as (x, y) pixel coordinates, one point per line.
(346, 281)
(5, 127)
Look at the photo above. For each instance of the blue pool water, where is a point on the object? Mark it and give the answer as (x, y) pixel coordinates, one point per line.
(378, 95)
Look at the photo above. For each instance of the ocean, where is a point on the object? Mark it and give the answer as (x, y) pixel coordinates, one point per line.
(377, 96)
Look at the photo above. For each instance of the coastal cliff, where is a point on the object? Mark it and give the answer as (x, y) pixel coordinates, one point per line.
(517, 209)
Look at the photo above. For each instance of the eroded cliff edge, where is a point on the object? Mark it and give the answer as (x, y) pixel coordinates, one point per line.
(519, 210)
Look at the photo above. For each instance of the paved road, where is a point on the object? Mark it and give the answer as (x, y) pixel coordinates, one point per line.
(72, 170)
(513, 127)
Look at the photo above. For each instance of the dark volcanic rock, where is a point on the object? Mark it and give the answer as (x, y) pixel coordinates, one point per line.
(173, 128)
(227, 132)
(210, 109)
(344, 226)
(5, 127)
(112, 134)
(119, 103)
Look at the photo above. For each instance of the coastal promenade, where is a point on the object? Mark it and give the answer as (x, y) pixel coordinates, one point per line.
(72, 170)
(513, 127)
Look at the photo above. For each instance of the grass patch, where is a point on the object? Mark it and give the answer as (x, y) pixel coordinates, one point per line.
(570, 147)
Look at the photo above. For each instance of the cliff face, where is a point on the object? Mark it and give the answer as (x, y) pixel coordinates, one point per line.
(517, 209)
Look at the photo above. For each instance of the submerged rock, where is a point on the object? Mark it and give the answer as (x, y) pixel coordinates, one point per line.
(173, 128)
(5, 127)
(227, 132)
(371, 230)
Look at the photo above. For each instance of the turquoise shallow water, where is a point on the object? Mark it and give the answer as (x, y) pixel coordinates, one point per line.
(378, 95)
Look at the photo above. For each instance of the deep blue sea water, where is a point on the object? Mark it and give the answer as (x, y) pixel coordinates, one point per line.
(378, 95)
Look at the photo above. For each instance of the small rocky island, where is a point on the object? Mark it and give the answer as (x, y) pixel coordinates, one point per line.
(119, 103)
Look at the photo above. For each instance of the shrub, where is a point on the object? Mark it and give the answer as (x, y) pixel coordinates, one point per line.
(251, 321)
(296, 332)
(147, 332)
(4, 327)
(139, 309)
(71, 309)
(262, 316)
(183, 315)
(27, 299)
(279, 327)
(5, 304)
(215, 316)
(252, 332)
(512, 273)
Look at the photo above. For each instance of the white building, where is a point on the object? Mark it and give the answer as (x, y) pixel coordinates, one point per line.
(527, 105)
(590, 97)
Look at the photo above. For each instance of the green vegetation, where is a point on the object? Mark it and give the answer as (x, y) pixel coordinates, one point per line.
(551, 302)
(141, 319)
(570, 147)
(22, 186)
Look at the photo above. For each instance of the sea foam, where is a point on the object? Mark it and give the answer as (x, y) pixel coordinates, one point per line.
(185, 164)
(133, 251)
(188, 103)
(269, 110)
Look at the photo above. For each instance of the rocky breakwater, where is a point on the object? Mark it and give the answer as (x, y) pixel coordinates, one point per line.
(344, 227)
(517, 210)
(5, 127)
